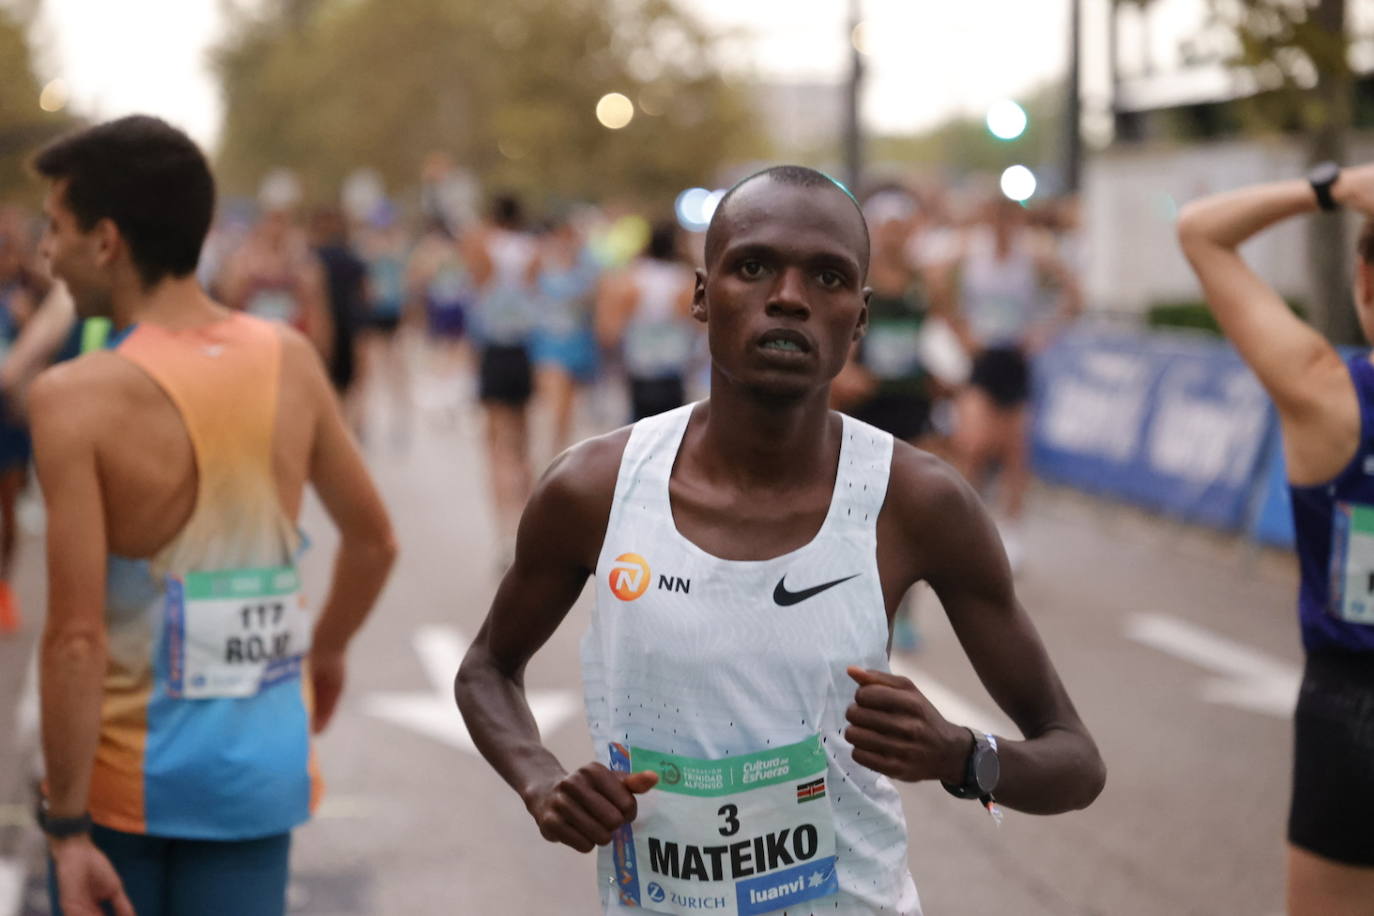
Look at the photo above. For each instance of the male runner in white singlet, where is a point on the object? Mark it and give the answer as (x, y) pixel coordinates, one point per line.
(749, 553)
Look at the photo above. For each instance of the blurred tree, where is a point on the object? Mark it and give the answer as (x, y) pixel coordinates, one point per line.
(23, 125)
(1297, 53)
(510, 90)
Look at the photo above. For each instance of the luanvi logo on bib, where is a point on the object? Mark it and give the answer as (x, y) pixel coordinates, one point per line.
(629, 576)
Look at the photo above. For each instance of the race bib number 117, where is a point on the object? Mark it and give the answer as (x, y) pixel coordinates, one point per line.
(739, 836)
(232, 633)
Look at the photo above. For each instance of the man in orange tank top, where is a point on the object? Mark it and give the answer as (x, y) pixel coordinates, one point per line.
(174, 465)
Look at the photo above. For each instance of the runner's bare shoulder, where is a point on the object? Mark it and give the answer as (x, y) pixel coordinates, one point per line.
(922, 486)
(305, 387)
(84, 398)
(574, 495)
(932, 512)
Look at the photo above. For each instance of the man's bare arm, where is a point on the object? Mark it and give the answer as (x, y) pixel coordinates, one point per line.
(560, 533)
(73, 653)
(41, 338)
(1301, 371)
(1057, 767)
(934, 528)
(367, 547)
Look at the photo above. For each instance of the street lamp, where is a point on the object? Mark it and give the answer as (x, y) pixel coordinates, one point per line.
(1018, 183)
(1006, 120)
(615, 110)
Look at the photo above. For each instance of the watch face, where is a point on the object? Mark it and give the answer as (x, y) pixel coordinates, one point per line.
(1324, 173)
(987, 769)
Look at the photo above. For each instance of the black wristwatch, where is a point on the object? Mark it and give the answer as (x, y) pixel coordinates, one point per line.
(59, 828)
(1322, 176)
(981, 772)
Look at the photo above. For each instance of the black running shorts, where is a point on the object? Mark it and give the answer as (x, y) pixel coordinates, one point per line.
(1333, 760)
(504, 376)
(1003, 373)
(904, 416)
(655, 395)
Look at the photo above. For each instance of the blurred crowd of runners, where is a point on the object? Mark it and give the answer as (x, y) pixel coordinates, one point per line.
(559, 319)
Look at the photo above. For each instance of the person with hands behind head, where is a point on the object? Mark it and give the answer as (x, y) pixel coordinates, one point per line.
(181, 669)
(1325, 405)
(748, 553)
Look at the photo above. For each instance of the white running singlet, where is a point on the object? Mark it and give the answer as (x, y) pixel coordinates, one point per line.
(728, 678)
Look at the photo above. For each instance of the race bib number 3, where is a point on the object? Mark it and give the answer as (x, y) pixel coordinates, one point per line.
(738, 836)
(233, 633)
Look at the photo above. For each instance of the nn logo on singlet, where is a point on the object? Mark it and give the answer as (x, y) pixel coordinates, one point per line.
(630, 577)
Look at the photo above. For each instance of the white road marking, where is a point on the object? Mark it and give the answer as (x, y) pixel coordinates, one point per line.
(1249, 679)
(434, 714)
(12, 874)
(951, 705)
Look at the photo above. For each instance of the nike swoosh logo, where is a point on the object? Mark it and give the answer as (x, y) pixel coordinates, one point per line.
(783, 598)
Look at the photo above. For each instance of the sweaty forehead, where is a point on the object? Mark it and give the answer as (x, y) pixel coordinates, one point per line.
(770, 212)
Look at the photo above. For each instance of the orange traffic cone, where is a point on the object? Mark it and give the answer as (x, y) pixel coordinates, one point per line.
(9, 610)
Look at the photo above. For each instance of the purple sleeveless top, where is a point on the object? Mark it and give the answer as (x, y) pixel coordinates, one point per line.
(1334, 523)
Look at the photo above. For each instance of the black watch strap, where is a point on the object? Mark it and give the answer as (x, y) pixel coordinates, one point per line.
(1321, 178)
(62, 827)
(969, 788)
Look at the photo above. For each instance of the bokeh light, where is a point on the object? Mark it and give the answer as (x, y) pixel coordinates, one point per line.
(615, 110)
(695, 206)
(861, 38)
(1018, 183)
(1006, 120)
(54, 95)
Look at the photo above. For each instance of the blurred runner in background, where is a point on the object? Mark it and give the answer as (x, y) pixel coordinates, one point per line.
(181, 669)
(345, 278)
(887, 385)
(437, 276)
(504, 259)
(274, 275)
(565, 346)
(384, 248)
(1326, 414)
(645, 310)
(998, 282)
(22, 290)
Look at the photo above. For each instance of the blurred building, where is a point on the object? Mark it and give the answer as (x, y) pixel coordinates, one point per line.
(1179, 132)
(800, 119)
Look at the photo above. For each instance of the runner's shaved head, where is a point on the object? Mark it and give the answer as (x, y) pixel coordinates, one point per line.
(796, 176)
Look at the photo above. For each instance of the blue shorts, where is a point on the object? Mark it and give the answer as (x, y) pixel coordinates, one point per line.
(575, 352)
(170, 877)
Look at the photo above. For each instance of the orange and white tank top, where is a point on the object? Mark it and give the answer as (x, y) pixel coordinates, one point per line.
(204, 726)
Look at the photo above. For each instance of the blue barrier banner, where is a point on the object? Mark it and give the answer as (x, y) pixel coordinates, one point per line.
(1177, 425)
(1273, 522)
(1093, 397)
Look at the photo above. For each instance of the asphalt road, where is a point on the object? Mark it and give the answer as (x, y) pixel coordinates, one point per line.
(1179, 647)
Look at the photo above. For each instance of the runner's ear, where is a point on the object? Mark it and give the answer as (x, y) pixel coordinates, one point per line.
(862, 327)
(699, 297)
